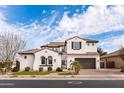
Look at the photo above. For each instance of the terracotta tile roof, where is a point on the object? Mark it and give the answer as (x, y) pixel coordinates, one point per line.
(30, 51)
(87, 40)
(94, 53)
(88, 53)
(57, 44)
(115, 53)
(54, 44)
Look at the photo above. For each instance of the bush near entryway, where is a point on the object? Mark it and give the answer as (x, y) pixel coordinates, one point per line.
(77, 66)
(59, 69)
(49, 68)
(27, 69)
(40, 69)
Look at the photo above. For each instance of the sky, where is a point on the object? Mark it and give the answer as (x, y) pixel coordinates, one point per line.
(40, 24)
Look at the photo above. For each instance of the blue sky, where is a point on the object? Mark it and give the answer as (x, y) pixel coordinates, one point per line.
(40, 24)
(29, 13)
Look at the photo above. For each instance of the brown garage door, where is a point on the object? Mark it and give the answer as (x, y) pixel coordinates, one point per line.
(87, 63)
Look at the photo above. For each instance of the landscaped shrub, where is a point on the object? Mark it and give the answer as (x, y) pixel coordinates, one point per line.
(5, 66)
(15, 69)
(122, 68)
(27, 69)
(49, 68)
(40, 69)
(59, 69)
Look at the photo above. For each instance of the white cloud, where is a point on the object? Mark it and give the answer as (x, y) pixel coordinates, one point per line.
(35, 33)
(96, 20)
(44, 11)
(112, 43)
(77, 10)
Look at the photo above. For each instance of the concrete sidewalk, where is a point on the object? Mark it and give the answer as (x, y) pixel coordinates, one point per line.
(63, 77)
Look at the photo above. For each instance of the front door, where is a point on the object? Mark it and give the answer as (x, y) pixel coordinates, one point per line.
(64, 64)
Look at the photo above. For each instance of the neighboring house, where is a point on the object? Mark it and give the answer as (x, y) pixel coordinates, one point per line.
(111, 60)
(62, 54)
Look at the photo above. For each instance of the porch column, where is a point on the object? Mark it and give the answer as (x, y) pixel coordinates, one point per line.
(97, 63)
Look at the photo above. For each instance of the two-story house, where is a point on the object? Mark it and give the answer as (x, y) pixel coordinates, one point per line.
(62, 54)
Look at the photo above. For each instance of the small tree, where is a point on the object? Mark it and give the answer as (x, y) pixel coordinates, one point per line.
(10, 44)
(77, 66)
(122, 57)
(122, 53)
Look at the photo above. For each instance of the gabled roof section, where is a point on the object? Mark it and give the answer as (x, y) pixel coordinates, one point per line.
(54, 44)
(115, 53)
(33, 51)
(87, 40)
(30, 51)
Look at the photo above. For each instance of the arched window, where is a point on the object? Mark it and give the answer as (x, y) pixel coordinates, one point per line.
(42, 60)
(50, 59)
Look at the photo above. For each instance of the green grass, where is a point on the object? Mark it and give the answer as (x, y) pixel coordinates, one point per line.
(31, 73)
(66, 73)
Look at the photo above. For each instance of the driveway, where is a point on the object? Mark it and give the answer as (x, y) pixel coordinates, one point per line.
(100, 72)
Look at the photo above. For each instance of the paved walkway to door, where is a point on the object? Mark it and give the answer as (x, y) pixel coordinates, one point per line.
(101, 72)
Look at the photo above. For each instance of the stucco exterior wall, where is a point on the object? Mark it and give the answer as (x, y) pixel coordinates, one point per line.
(46, 53)
(84, 47)
(71, 58)
(118, 61)
(28, 62)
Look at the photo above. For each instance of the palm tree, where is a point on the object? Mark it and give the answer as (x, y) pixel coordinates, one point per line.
(101, 52)
(77, 66)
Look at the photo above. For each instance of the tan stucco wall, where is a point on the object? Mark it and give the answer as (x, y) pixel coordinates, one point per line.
(118, 61)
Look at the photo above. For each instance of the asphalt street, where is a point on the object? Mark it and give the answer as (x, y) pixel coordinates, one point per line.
(61, 83)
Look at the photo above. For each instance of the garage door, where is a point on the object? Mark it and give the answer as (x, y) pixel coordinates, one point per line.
(87, 63)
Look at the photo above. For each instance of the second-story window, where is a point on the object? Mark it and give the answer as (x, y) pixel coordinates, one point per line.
(92, 44)
(25, 57)
(76, 45)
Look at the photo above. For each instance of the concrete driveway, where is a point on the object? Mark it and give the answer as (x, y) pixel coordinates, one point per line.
(100, 72)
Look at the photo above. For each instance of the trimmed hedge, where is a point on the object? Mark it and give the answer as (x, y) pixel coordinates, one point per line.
(27, 69)
(59, 69)
(49, 68)
(41, 69)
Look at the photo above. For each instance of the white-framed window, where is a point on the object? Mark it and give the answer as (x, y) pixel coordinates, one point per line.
(50, 60)
(76, 45)
(43, 60)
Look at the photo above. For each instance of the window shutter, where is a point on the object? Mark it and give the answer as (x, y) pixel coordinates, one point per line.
(72, 45)
(80, 45)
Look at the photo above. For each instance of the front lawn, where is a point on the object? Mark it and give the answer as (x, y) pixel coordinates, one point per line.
(66, 73)
(32, 73)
